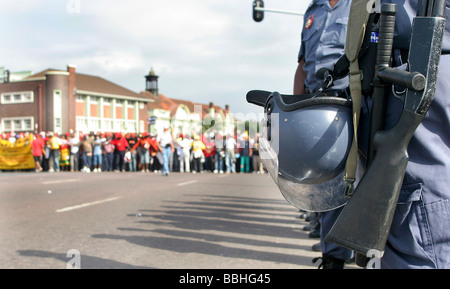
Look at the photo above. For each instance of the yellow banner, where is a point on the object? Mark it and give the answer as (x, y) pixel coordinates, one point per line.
(17, 155)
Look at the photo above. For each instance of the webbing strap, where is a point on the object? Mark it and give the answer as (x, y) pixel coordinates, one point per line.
(358, 17)
(355, 92)
(357, 22)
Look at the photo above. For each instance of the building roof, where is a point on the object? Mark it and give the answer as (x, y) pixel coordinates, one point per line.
(171, 104)
(160, 101)
(95, 84)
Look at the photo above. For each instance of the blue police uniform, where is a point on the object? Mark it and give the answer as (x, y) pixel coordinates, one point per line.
(323, 43)
(420, 233)
(323, 40)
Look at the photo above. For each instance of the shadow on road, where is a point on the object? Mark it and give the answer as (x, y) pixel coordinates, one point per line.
(87, 262)
(221, 225)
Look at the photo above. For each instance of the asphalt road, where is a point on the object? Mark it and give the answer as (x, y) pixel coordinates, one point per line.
(145, 220)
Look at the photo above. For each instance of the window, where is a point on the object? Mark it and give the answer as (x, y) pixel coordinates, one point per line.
(27, 124)
(57, 111)
(57, 123)
(18, 124)
(17, 97)
(94, 99)
(6, 125)
(28, 97)
(80, 98)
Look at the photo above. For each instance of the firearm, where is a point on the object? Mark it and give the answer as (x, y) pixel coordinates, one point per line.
(365, 221)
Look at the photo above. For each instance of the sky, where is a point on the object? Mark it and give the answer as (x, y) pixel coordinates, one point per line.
(203, 50)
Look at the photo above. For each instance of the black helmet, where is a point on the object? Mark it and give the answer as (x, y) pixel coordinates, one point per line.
(304, 143)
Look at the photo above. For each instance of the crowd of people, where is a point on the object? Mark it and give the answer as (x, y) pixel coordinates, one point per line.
(144, 152)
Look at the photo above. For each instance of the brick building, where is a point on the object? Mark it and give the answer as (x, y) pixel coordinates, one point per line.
(61, 101)
(64, 100)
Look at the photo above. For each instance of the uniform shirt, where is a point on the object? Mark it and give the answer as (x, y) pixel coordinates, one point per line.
(323, 40)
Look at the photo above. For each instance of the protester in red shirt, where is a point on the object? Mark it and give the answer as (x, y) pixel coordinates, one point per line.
(143, 147)
(121, 144)
(37, 147)
(209, 153)
(155, 164)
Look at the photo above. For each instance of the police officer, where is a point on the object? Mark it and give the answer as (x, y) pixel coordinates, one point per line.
(323, 42)
(420, 232)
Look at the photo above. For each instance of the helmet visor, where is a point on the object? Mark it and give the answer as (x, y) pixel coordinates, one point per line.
(304, 152)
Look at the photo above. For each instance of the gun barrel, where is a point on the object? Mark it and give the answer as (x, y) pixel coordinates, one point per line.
(384, 53)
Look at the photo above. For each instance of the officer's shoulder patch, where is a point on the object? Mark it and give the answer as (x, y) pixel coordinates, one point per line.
(309, 21)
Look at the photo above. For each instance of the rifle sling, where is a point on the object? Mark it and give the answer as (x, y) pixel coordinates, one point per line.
(359, 15)
(355, 92)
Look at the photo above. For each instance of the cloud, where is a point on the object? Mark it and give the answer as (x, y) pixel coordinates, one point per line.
(203, 50)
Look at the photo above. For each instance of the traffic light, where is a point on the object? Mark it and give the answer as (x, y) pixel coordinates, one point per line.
(258, 15)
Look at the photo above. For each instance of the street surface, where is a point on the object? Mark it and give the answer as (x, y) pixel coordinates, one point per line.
(145, 220)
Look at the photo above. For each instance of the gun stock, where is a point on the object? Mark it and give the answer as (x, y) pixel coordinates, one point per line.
(358, 227)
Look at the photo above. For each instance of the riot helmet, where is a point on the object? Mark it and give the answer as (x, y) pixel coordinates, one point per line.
(304, 143)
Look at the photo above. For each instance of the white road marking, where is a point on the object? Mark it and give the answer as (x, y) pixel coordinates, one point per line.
(187, 183)
(86, 205)
(61, 181)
